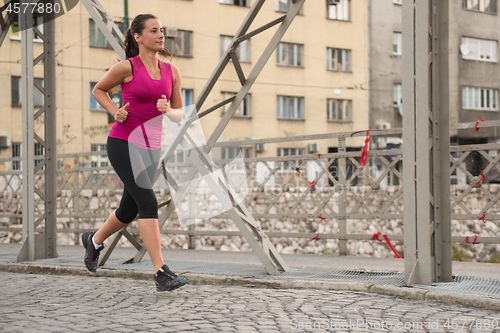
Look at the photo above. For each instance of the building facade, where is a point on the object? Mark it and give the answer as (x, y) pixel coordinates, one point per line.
(473, 68)
(315, 82)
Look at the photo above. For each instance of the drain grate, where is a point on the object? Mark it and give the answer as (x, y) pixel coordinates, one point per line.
(469, 285)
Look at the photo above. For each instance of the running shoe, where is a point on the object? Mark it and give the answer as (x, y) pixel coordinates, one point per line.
(166, 280)
(91, 254)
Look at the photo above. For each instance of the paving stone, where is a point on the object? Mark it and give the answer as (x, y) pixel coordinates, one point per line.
(64, 303)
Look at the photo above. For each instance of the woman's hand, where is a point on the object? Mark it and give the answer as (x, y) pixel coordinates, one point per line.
(162, 105)
(122, 113)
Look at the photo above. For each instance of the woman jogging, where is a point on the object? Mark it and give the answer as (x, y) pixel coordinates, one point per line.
(147, 84)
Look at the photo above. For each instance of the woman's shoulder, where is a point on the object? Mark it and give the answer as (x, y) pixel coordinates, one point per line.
(122, 67)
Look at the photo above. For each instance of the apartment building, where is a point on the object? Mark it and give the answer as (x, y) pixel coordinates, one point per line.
(473, 67)
(315, 82)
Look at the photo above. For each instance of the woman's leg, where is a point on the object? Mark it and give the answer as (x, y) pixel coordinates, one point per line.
(111, 226)
(150, 233)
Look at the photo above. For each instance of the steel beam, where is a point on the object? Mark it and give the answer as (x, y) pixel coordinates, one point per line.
(427, 232)
(38, 242)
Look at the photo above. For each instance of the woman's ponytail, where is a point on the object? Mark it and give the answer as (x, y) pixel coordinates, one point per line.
(131, 46)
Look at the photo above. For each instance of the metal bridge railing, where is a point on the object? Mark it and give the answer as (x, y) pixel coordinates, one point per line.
(323, 194)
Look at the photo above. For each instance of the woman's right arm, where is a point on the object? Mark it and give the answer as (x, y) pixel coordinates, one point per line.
(117, 74)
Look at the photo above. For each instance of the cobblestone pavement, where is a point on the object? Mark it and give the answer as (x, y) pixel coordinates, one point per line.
(50, 303)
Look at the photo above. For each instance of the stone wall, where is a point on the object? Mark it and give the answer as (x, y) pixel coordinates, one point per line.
(474, 199)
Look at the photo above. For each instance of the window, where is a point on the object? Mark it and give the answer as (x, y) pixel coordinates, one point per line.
(243, 110)
(38, 97)
(338, 110)
(39, 151)
(397, 43)
(397, 93)
(243, 3)
(96, 37)
(487, 6)
(98, 161)
(179, 156)
(282, 6)
(179, 43)
(16, 152)
(290, 107)
(289, 54)
(338, 11)
(187, 96)
(338, 59)
(479, 49)
(242, 51)
(231, 153)
(289, 165)
(483, 99)
(115, 94)
(397, 2)
(397, 97)
(37, 21)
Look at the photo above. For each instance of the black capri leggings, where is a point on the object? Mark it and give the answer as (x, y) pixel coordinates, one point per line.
(138, 195)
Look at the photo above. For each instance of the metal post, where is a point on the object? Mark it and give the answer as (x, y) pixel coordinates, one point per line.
(28, 138)
(42, 244)
(49, 63)
(342, 176)
(427, 235)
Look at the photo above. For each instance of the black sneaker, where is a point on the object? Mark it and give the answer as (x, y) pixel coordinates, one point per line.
(91, 254)
(166, 280)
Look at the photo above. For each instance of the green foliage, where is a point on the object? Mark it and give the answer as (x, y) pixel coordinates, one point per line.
(459, 254)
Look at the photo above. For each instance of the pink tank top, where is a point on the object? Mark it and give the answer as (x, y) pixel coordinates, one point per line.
(143, 125)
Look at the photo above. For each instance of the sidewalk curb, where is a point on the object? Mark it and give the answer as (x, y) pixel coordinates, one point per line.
(406, 292)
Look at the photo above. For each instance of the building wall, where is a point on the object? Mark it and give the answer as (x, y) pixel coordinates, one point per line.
(386, 68)
(470, 73)
(77, 65)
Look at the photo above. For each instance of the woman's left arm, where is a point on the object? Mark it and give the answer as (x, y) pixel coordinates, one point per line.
(175, 112)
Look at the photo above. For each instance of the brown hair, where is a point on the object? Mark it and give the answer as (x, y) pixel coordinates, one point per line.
(137, 26)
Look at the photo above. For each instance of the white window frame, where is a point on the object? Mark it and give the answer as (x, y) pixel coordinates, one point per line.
(242, 51)
(339, 12)
(332, 110)
(243, 110)
(290, 54)
(332, 59)
(290, 107)
(480, 99)
(180, 46)
(187, 96)
(480, 49)
(397, 43)
(232, 2)
(16, 35)
(289, 166)
(282, 6)
(480, 5)
(99, 161)
(397, 2)
(397, 97)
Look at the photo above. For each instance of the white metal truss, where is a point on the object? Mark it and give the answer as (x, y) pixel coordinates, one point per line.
(39, 179)
(426, 144)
